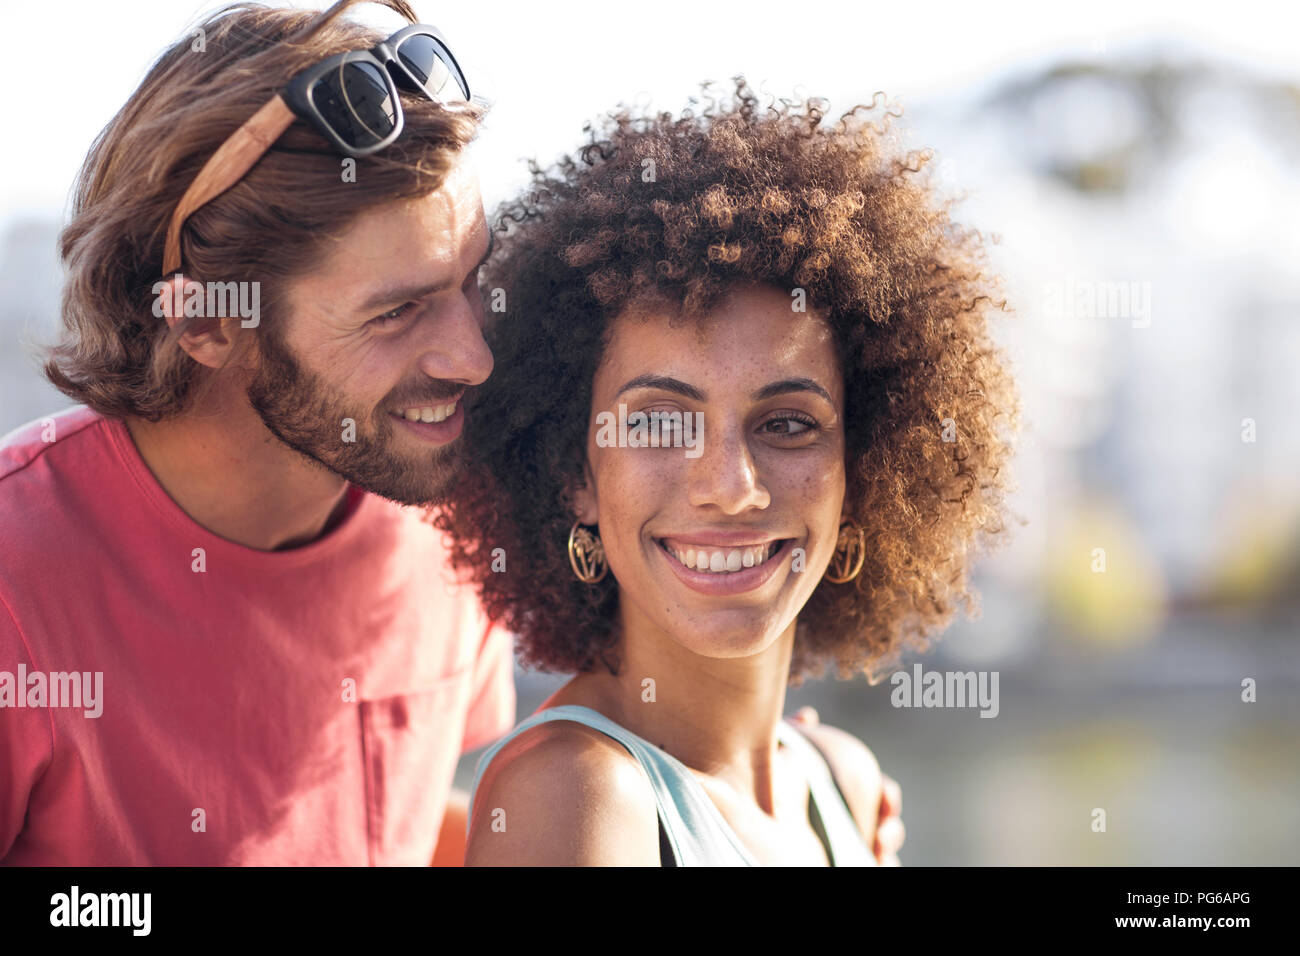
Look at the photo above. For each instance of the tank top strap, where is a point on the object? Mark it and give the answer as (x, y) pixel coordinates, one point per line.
(845, 844)
(693, 826)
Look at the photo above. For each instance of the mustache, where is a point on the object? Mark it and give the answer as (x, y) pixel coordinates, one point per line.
(435, 394)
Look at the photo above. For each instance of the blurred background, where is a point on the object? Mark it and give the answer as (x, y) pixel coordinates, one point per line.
(1139, 165)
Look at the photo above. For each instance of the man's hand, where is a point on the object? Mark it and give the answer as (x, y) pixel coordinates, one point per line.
(857, 770)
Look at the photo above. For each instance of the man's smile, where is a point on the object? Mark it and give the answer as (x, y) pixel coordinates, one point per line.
(428, 413)
(435, 424)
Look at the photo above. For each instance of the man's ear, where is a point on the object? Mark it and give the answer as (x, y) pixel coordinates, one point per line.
(209, 341)
(583, 498)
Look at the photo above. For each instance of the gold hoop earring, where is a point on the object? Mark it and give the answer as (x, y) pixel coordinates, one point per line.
(850, 555)
(586, 554)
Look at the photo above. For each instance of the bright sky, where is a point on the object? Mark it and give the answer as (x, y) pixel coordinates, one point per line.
(552, 66)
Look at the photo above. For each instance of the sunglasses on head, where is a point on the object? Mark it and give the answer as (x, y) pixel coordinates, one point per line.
(351, 98)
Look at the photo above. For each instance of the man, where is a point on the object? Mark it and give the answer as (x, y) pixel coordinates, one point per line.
(226, 634)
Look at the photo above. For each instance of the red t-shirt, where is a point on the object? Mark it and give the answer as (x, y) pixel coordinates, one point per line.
(233, 706)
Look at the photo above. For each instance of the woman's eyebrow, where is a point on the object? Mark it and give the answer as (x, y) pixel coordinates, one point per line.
(669, 384)
(792, 385)
(664, 382)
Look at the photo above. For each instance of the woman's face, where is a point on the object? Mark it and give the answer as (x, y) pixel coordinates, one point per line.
(718, 542)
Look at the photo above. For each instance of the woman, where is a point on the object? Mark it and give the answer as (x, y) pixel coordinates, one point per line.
(747, 423)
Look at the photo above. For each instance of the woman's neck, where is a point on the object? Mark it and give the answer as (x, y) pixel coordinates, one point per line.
(718, 716)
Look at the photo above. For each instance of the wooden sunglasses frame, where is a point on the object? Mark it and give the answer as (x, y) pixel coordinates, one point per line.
(241, 151)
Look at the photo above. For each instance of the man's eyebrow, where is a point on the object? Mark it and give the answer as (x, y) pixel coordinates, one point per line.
(409, 293)
(670, 384)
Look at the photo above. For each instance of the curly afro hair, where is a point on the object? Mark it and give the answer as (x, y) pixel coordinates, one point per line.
(680, 210)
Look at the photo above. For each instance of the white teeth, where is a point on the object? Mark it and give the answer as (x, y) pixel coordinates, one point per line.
(430, 413)
(724, 562)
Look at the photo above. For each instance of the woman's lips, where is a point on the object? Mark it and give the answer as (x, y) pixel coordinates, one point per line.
(747, 566)
(719, 555)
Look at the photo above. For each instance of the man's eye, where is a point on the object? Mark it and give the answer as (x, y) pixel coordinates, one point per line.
(388, 318)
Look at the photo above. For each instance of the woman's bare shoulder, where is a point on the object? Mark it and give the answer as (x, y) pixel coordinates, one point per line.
(856, 770)
(563, 794)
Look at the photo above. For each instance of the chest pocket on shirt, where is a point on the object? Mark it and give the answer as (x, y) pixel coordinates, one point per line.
(411, 745)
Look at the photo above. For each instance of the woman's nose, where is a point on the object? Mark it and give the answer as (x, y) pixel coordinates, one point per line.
(725, 475)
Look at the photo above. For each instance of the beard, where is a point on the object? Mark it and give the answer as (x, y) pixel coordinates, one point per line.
(299, 408)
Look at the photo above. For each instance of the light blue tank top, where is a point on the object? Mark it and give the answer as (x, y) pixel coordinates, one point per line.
(694, 828)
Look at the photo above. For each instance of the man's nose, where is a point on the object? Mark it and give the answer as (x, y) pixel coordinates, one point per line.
(454, 349)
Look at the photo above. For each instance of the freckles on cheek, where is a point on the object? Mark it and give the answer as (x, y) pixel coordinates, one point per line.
(642, 472)
(823, 488)
(615, 484)
(810, 477)
(830, 481)
(630, 488)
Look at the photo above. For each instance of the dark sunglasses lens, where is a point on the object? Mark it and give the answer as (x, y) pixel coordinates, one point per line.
(424, 58)
(356, 102)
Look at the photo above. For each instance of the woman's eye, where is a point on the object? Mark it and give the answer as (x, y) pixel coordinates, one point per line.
(789, 425)
(663, 423)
